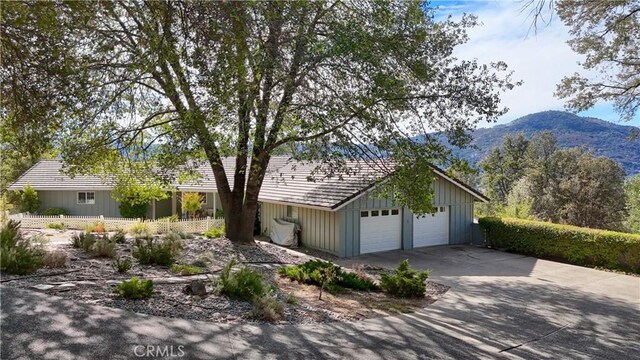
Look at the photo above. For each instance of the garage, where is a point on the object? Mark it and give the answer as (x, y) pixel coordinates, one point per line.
(432, 229)
(380, 230)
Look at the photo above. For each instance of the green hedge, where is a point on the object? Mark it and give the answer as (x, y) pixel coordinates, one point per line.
(576, 245)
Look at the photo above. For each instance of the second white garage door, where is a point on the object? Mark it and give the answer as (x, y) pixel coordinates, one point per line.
(380, 230)
(432, 229)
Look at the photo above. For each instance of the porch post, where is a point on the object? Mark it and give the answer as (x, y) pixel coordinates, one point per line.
(214, 205)
(174, 203)
(153, 209)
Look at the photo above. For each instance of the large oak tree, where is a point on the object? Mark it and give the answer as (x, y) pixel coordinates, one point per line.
(168, 83)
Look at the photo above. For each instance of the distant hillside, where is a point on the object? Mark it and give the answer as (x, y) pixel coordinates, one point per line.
(602, 137)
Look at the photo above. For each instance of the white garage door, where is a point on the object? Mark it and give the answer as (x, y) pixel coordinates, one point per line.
(432, 229)
(380, 230)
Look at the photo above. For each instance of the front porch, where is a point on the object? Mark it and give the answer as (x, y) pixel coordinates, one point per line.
(173, 205)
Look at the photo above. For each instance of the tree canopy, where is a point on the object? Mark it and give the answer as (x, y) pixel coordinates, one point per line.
(175, 82)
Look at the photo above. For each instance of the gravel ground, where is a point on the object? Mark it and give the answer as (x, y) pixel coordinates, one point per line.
(92, 280)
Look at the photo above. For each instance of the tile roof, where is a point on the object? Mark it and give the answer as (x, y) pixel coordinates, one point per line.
(286, 181)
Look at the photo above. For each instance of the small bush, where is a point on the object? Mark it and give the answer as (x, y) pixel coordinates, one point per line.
(133, 211)
(56, 226)
(172, 218)
(244, 284)
(99, 227)
(103, 247)
(405, 283)
(219, 214)
(266, 307)
(83, 240)
(140, 230)
(576, 245)
(119, 237)
(56, 212)
(151, 251)
(17, 255)
(184, 269)
(122, 264)
(310, 273)
(55, 259)
(290, 299)
(135, 289)
(175, 239)
(216, 232)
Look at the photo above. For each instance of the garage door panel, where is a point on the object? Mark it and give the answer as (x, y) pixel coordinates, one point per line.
(433, 229)
(380, 230)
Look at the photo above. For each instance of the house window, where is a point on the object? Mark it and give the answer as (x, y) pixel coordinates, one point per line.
(395, 212)
(289, 211)
(86, 197)
(374, 213)
(385, 212)
(364, 214)
(441, 208)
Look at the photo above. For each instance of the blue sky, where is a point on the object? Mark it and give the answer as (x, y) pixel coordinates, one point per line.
(540, 59)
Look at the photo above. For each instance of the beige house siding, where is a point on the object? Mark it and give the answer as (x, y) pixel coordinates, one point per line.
(320, 229)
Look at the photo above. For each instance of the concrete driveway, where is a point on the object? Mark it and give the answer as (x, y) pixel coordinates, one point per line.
(499, 306)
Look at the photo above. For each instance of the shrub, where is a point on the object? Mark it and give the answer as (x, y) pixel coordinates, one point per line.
(290, 299)
(56, 226)
(56, 212)
(135, 289)
(175, 239)
(99, 227)
(266, 307)
(103, 247)
(185, 269)
(244, 284)
(172, 218)
(576, 245)
(140, 230)
(55, 259)
(83, 240)
(17, 255)
(219, 214)
(29, 201)
(216, 232)
(310, 273)
(151, 251)
(405, 283)
(192, 202)
(129, 210)
(119, 237)
(122, 264)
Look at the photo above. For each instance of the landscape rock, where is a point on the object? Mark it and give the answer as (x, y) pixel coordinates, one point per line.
(196, 287)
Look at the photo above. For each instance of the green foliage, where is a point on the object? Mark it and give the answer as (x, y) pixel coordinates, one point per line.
(56, 212)
(17, 255)
(29, 201)
(519, 200)
(576, 245)
(122, 264)
(185, 269)
(216, 232)
(290, 299)
(135, 289)
(83, 240)
(244, 284)
(632, 191)
(373, 67)
(312, 272)
(103, 247)
(55, 259)
(56, 226)
(405, 282)
(172, 218)
(266, 307)
(135, 211)
(151, 251)
(140, 230)
(192, 202)
(219, 214)
(504, 166)
(119, 237)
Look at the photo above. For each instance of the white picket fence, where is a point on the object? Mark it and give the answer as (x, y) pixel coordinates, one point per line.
(114, 223)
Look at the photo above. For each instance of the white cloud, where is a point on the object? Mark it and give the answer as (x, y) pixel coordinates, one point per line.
(540, 59)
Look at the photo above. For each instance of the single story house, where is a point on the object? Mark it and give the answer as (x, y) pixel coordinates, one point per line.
(337, 214)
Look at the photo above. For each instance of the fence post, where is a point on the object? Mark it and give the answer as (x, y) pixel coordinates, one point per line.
(101, 217)
(61, 216)
(208, 223)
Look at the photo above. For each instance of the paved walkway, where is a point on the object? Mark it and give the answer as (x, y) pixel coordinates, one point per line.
(500, 305)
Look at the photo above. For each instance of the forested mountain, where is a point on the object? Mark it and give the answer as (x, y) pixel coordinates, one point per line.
(602, 137)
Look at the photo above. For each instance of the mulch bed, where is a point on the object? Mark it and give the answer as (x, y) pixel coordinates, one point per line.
(92, 280)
